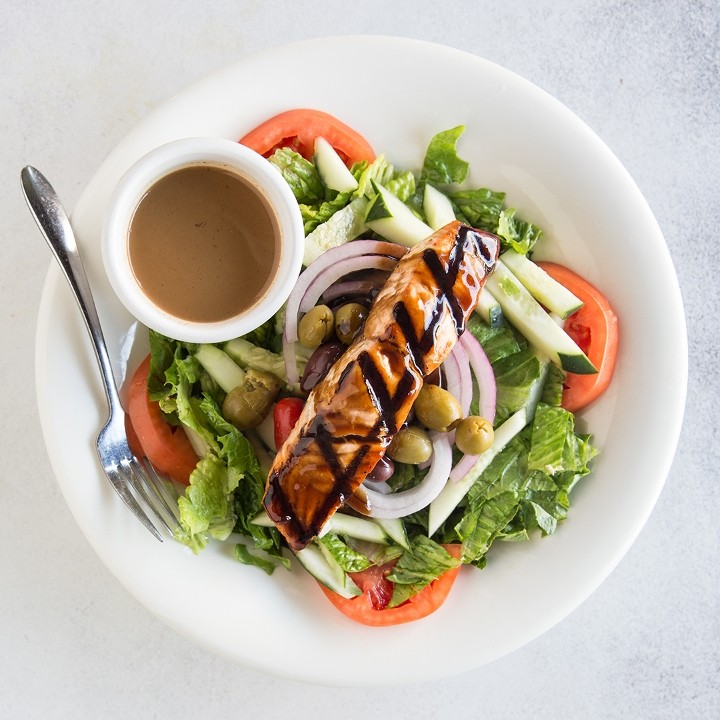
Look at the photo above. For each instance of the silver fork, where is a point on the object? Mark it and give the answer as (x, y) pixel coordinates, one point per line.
(135, 480)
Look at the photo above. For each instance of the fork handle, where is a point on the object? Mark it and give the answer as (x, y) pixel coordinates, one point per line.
(53, 221)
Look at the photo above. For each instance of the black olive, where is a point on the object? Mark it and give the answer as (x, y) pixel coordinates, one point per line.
(319, 363)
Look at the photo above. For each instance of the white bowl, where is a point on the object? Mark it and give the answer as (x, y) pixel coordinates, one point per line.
(557, 172)
(161, 162)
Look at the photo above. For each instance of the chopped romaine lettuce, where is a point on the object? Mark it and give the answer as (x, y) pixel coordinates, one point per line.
(348, 559)
(379, 170)
(442, 164)
(553, 387)
(402, 185)
(526, 486)
(555, 446)
(480, 208)
(227, 486)
(515, 377)
(516, 233)
(244, 555)
(206, 508)
(498, 341)
(417, 567)
(300, 174)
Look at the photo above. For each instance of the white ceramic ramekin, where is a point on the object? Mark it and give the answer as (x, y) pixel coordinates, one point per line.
(158, 163)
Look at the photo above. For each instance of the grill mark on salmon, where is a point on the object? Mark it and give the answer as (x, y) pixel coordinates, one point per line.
(352, 415)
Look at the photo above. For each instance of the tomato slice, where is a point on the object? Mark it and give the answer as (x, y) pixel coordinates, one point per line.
(285, 417)
(370, 608)
(594, 327)
(165, 446)
(297, 129)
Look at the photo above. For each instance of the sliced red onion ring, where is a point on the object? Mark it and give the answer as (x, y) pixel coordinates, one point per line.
(458, 377)
(482, 369)
(327, 259)
(399, 504)
(381, 487)
(342, 267)
(357, 248)
(464, 465)
(458, 380)
(452, 377)
(291, 368)
(358, 287)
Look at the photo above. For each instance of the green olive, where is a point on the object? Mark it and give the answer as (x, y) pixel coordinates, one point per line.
(247, 405)
(437, 409)
(474, 435)
(412, 445)
(316, 327)
(348, 320)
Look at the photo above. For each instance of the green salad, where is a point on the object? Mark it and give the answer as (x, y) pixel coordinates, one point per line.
(519, 487)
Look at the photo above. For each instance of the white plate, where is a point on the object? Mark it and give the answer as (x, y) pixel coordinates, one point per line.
(398, 93)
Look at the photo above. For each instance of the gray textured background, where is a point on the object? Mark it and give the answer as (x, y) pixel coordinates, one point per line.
(75, 77)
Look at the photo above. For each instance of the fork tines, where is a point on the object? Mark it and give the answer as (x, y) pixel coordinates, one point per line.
(151, 491)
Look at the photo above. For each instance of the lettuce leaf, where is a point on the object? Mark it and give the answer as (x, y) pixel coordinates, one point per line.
(497, 342)
(442, 164)
(227, 486)
(417, 567)
(206, 507)
(380, 170)
(555, 446)
(300, 174)
(518, 234)
(493, 501)
(515, 376)
(402, 185)
(553, 388)
(480, 208)
(244, 555)
(349, 559)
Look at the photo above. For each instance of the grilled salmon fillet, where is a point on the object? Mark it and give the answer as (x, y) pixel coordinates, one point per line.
(352, 415)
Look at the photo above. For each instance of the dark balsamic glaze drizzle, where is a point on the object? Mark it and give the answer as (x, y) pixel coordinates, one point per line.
(378, 392)
(402, 318)
(385, 404)
(445, 278)
(446, 281)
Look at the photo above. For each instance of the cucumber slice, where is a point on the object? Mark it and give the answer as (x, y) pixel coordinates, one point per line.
(526, 314)
(393, 220)
(262, 519)
(546, 290)
(266, 431)
(395, 529)
(198, 442)
(247, 355)
(437, 207)
(356, 527)
(454, 492)
(332, 170)
(342, 524)
(319, 563)
(220, 366)
(325, 569)
(489, 308)
(343, 226)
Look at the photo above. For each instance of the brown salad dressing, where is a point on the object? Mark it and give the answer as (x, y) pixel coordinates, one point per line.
(204, 244)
